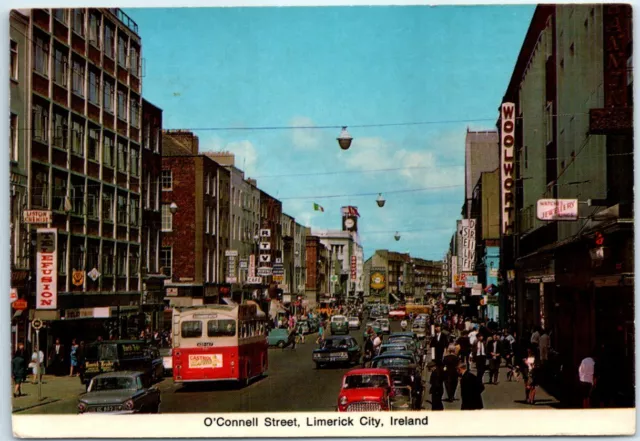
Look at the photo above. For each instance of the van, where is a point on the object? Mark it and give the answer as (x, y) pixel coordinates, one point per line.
(121, 355)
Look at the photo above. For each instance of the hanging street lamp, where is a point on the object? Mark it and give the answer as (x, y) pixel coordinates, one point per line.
(380, 201)
(173, 208)
(344, 140)
(397, 236)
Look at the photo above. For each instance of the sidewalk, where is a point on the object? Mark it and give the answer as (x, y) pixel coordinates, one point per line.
(53, 389)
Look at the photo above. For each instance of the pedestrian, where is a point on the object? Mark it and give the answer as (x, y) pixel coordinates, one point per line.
(80, 355)
(530, 376)
(544, 343)
(495, 354)
(451, 362)
(465, 347)
(368, 348)
(436, 380)
(320, 334)
(300, 334)
(480, 357)
(438, 345)
(377, 342)
(56, 358)
(535, 341)
(507, 353)
(18, 370)
(37, 365)
(291, 340)
(473, 336)
(587, 380)
(471, 389)
(73, 358)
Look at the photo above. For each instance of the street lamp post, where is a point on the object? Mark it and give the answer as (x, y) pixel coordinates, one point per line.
(344, 139)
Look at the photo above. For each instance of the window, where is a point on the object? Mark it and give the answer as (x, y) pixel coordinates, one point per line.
(60, 131)
(41, 56)
(133, 216)
(147, 192)
(78, 21)
(107, 261)
(134, 61)
(207, 220)
(62, 254)
(134, 113)
(40, 122)
(77, 256)
(121, 261)
(13, 139)
(94, 86)
(134, 262)
(77, 139)
(93, 253)
(221, 328)
(60, 15)
(60, 63)
(108, 40)
(77, 84)
(93, 197)
(165, 261)
(122, 209)
(122, 156)
(93, 146)
(107, 207)
(134, 162)
(167, 218)
(122, 105)
(107, 96)
(167, 181)
(40, 189)
(108, 154)
(94, 29)
(77, 196)
(191, 329)
(207, 184)
(122, 51)
(14, 60)
(145, 136)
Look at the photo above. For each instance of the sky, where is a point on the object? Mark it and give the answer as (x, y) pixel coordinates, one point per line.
(448, 66)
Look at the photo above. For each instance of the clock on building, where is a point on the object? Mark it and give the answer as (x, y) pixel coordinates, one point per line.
(349, 223)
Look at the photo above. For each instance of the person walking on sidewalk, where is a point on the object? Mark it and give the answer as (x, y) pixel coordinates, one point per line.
(480, 357)
(495, 352)
(587, 380)
(531, 376)
(451, 362)
(37, 365)
(471, 388)
(73, 357)
(436, 380)
(19, 370)
(465, 347)
(291, 339)
(56, 358)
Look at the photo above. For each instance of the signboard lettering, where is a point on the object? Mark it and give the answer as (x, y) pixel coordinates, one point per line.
(47, 268)
(557, 209)
(36, 216)
(252, 265)
(507, 144)
(254, 280)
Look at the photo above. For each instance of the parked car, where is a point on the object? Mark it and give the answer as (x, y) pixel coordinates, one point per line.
(339, 325)
(278, 337)
(121, 355)
(120, 392)
(365, 390)
(420, 329)
(402, 335)
(394, 347)
(337, 350)
(354, 323)
(167, 361)
(384, 324)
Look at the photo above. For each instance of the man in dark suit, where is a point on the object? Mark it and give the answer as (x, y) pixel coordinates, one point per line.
(56, 358)
(495, 354)
(451, 362)
(480, 357)
(436, 380)
(471, 389)
(439, 342)
(465, 347)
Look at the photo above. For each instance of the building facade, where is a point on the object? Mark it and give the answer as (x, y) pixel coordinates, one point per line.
(571, 94)
(481, 155)
(271, 220)
(300, 264)
(82, 155)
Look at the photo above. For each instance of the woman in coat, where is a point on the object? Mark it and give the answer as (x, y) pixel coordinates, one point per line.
(19, 370)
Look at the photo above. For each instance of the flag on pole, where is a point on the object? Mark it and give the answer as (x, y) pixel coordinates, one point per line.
(317, 207)
(350, 211)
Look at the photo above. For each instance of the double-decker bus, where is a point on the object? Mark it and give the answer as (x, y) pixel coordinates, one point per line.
(219, 342)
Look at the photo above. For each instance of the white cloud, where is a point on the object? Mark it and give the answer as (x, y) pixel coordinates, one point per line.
(246, 155)
(304, 139)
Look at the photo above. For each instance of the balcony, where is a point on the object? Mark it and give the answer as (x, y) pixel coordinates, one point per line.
(125, 19)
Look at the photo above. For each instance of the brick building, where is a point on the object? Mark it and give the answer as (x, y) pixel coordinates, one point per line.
(83, 158)
(271, 219)
(317, 265)
(190, 220)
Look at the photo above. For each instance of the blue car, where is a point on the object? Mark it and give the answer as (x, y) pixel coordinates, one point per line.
(278, 337)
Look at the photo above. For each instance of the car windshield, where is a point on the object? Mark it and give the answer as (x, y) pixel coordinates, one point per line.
(353, 319)
(338, 319)
(332, 343)
(359, 381)
(393, 348)
(112, 383)
(391, 361)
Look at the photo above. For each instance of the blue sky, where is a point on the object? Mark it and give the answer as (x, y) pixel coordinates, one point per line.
(278, 66)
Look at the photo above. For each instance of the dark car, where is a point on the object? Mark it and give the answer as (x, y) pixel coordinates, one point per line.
(407, 379)
(120, 392)
(337, 350)
(121, 355)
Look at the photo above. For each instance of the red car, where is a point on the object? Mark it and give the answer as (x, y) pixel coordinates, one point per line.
(365, 390)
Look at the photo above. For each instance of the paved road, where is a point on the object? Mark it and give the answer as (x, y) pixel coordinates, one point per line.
(293, 384)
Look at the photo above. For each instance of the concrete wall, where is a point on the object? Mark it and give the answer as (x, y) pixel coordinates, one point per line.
(481, 155)
(491, 205)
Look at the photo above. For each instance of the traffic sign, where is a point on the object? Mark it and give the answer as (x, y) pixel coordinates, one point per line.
(20, 305)
(36, 323)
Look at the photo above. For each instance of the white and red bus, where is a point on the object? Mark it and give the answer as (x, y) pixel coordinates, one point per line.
(219, 342)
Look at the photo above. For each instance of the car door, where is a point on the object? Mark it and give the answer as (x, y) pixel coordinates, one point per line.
(357, 350)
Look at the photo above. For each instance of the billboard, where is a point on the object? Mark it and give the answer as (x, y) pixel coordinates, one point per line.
(557, 209)
(507, 166)
(468, 237)
(47, 268)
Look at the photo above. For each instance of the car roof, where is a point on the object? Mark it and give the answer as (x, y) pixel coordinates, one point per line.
(394, 354)
(391, 344)
(338, 337)
(120, 374)
(369, 371)
(402, 334)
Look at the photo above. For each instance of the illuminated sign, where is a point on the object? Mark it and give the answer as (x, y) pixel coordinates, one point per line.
(507, 162)
(47, 269)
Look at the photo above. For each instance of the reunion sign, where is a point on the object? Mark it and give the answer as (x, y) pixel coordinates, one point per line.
(47, 269)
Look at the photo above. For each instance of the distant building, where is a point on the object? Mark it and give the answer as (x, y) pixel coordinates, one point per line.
(481, 155)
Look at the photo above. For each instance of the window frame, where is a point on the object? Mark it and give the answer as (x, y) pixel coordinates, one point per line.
(78, 72)
(107, 96)
(13, 64)
(95, 42)
(43, 50)
(164, 180)
(81, 28)
(109, 43)
(163, 259)
(166, 219)
(14, 152)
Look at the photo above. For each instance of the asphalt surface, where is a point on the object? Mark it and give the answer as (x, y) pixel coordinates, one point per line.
(293, 384)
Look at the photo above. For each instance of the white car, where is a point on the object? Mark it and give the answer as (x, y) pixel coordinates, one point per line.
(354, 323)
(384, 325)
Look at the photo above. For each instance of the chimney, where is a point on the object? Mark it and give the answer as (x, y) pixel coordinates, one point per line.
(252, 182)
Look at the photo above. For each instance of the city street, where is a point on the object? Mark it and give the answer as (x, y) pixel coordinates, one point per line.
(292, 384)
